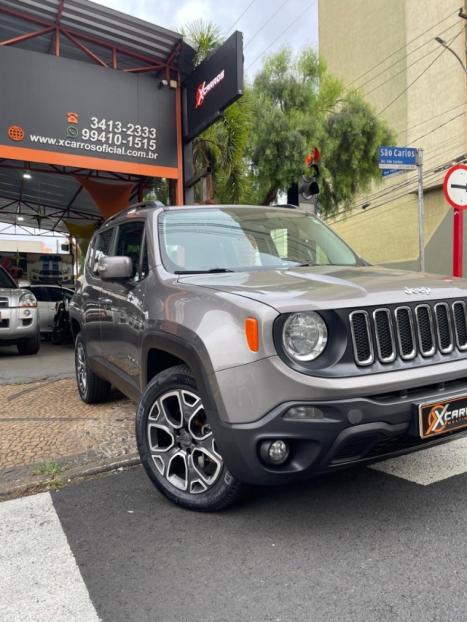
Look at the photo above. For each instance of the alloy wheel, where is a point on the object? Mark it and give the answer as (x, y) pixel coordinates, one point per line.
(81, 367)
(181, 442)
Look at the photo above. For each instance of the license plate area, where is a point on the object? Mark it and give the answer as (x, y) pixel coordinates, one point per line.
(440, 417)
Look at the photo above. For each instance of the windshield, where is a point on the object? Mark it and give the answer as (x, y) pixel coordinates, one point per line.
(234, 239)
(6, 280)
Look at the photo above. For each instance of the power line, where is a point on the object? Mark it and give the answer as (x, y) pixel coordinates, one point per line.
(361, 86)
(430, 119)
(419, 76)
(438, 127)
(404, 69)
(230, 29)
(388, 190)
(401, 48)
(271, 17)
(278, 38)
(379, 194)
(428, 175)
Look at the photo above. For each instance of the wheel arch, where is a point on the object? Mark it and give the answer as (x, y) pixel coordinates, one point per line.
(161, 351)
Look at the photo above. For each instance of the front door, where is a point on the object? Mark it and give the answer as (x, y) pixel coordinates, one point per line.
(123, 302)
(91, 293)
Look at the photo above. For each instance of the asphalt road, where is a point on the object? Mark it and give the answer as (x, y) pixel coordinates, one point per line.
(362, 545)
(50, 362)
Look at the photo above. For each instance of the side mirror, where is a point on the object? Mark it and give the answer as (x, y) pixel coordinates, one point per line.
(114, 268)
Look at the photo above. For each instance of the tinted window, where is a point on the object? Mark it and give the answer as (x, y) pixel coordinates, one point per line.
(6, 280)
(56, 294)
(41, 293)
(129, 243)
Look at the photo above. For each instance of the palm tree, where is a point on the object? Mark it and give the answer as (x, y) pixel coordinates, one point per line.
(220, 148)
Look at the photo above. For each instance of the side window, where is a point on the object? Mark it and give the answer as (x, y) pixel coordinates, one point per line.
(101, 247)
(56, 294)
(129, 244)
(40, 293)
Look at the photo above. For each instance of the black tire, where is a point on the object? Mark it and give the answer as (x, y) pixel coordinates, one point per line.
(29, 346)
(57, 337)
(198, 458)
(92, 389)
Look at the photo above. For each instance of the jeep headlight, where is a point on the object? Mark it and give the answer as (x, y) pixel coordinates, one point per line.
(304, 336)
(27, 300)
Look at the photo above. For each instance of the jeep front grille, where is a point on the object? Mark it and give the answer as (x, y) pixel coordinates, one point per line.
(3, 303)
(404, 332)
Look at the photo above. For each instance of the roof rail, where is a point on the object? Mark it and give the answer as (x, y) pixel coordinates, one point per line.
(136, 206)
(289, 205)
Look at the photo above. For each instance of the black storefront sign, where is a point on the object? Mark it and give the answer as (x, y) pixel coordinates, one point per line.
(215, 84)
(72, 107)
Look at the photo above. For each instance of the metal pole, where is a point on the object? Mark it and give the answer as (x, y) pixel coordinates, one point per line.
(421, 211)
(458, 243)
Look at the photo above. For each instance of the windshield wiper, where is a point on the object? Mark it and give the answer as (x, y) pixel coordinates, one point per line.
(210, 271)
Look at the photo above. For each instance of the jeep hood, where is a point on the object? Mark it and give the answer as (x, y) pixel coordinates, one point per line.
(331, 287)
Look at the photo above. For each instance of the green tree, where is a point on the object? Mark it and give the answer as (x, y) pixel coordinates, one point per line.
(296, 105)
(221, 147)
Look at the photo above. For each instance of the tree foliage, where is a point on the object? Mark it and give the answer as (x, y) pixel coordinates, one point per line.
(258, 146)
(298, 105)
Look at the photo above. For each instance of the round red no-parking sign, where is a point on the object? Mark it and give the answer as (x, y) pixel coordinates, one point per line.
(455, 186)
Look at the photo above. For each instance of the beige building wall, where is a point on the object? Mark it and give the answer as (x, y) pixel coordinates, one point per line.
(428, 88)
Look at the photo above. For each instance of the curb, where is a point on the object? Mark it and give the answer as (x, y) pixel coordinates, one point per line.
(73, 476)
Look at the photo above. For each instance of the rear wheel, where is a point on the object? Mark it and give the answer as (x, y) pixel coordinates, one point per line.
(29, 346)
(177, 445)
(92, 389)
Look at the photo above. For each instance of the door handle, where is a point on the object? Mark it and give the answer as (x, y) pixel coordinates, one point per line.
(85, 295)
(106, 301)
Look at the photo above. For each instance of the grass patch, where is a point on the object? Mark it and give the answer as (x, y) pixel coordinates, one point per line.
(49, 469)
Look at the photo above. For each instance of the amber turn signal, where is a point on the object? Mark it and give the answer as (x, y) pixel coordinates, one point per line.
(252, 334)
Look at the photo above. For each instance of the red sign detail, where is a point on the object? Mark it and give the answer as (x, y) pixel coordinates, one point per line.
(16, 133)
(203, 89)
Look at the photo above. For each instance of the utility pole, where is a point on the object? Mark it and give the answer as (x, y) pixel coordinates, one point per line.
(421, 211)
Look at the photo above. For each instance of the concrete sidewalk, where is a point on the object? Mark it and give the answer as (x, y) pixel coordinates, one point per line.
(49, 436)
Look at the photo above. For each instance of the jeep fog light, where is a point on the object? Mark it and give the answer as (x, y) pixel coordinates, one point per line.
(304, 412)
(304, 336)
(274, 452)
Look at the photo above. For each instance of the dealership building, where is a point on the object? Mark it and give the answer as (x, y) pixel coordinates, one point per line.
(95, 105)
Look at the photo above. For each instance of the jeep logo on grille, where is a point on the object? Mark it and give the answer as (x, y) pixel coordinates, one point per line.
(417, 290)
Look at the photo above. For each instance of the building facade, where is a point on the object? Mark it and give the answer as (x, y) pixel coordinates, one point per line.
(387, 50)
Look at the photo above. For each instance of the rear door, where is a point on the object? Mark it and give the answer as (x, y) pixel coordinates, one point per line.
(123, 302)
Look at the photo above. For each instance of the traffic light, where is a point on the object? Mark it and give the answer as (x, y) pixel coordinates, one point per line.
(308, 185)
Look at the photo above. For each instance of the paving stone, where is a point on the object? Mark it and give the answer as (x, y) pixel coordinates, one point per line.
(47, 421)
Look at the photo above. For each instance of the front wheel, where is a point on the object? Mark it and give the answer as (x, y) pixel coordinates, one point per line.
(177, 445)
(29, 346)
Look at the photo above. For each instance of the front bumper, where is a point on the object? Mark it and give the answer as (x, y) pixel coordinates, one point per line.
(17, 323)
(348, 432)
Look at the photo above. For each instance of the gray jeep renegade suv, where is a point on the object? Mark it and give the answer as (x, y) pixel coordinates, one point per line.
(261, 349)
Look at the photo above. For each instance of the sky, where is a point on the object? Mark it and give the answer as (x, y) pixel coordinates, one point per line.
(264, 23)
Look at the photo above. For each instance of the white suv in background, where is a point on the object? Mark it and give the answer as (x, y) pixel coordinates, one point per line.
(19, 318)
(51, 269)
